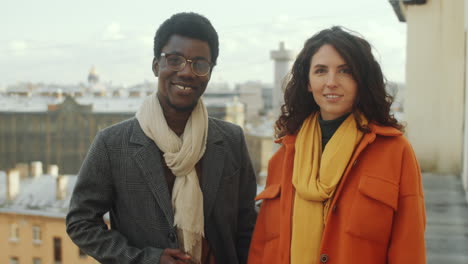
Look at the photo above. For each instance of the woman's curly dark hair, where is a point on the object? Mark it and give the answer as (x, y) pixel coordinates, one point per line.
(372, 100)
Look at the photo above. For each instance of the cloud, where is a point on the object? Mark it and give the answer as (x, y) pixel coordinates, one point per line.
(230, 45)
(389, 48)
(18, 47)
(147, 40)
(281, 21)
(113, 32)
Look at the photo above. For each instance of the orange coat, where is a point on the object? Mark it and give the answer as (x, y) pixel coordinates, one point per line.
(377, 215)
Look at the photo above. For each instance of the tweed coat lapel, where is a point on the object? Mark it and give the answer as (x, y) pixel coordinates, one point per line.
(212, 165)
(148, 159)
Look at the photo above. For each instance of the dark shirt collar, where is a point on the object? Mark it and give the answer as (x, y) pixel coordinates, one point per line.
(328, 127)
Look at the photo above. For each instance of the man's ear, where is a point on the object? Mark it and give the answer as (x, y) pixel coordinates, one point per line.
(155, 67)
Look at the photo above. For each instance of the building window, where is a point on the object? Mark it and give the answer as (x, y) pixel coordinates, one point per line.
(37, 261)
(82, 254)
(14, 260)
(14, 232)
(57, 250)
(36, 234)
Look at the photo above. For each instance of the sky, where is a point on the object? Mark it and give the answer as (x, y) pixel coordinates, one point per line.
(58, 41)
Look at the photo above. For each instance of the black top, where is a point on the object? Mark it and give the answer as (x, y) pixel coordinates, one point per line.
(328, 128)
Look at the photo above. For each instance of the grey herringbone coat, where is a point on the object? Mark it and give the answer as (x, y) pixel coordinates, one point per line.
(122, 174)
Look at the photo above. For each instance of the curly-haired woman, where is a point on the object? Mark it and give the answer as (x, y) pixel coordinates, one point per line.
(345, 185)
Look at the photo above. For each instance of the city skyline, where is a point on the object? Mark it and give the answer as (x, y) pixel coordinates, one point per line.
(56, 42)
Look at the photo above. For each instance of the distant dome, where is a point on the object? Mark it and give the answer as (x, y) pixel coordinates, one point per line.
(93, 77)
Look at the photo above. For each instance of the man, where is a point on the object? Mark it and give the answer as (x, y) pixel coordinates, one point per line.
(179, 186)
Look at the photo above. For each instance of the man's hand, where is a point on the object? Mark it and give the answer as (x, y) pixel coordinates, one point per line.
(174, 256)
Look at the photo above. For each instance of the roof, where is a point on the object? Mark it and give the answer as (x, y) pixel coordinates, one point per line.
(397, 7)
(39, 104)
(37, 196)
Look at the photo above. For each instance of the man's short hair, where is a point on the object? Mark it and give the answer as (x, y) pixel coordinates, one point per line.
(191, 25)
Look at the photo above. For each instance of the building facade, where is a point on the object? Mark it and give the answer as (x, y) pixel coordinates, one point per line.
(60, 131)
(283, 60)
(436, 79)
(32, 220)
(260, 150)
(59, 134)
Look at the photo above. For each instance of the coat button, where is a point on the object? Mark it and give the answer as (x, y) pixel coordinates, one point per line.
(324, 258)
(172, 237)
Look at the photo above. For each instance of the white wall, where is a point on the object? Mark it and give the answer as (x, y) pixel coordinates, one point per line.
(465, 146)
(435, 77)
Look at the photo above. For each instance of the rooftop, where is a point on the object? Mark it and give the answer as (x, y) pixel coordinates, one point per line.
(100, 104)
(37, 196)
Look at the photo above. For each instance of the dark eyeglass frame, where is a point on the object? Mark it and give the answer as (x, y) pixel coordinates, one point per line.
(185, 60)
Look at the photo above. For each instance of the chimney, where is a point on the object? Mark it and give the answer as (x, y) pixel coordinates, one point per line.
(23, 169)
(36, 169)
(53, 170)
(13, 184)
(61, 187)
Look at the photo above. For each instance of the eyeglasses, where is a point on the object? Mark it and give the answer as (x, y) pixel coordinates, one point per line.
(175, 62)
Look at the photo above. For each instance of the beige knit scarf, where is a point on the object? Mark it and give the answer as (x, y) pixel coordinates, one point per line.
(181, 155)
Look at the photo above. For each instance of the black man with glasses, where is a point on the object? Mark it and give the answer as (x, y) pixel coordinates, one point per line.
(178, 185)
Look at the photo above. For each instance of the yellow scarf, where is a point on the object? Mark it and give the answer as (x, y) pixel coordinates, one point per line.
(315, 178)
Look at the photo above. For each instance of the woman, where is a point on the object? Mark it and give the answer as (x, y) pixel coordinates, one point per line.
(345, 186)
